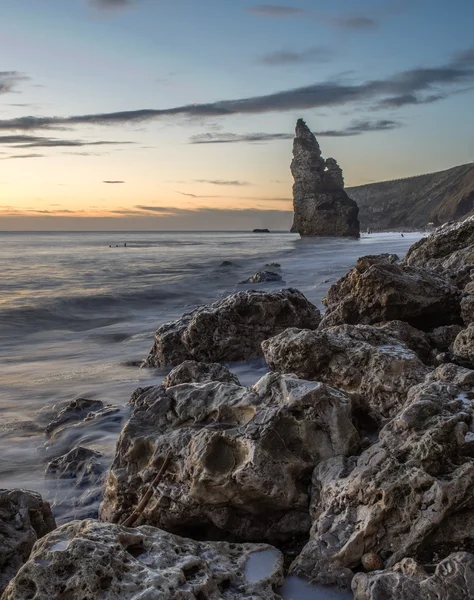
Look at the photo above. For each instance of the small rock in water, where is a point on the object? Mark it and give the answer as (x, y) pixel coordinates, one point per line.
(263, 277)
(273, 265)
(74, 411)
(226, 263)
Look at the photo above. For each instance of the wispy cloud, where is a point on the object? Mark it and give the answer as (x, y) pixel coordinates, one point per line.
(9, 80)
(276, 10)
(235, 182)
(354, 22)
(112, 4)
(318, 54)
(418, 82)
(113, 181)
(23, 156)
(31, 141)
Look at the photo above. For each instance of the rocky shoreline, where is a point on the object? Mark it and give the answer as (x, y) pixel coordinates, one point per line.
(350, 464)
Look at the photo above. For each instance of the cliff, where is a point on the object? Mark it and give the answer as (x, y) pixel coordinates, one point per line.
(414, 202)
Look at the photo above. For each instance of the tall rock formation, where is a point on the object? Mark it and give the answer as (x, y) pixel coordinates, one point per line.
(322, 207)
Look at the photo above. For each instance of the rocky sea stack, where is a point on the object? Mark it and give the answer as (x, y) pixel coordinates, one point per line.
(322, 207)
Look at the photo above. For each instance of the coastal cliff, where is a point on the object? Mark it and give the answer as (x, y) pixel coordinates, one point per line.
(414, 202)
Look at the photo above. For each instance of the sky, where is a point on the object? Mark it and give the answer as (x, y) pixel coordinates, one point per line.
(180, 114)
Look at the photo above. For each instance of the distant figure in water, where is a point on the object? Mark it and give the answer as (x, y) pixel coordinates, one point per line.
(403, 235)
(125, 243)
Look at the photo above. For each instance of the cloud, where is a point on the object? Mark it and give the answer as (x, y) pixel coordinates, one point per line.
(223, 182)
(9, 80)
(289, 57)
(23, 156)
(355, 128)
(31, 141)
(407, 99)
(276, 10)
(113, 181)
(418, 81)
(354, 22)
(112, 4)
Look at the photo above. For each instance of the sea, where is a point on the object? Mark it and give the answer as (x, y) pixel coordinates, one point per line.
(77, 317)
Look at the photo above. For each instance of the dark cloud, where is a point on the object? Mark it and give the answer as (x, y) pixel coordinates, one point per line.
(23, 156)
(31, 141)
(290, 57)
(407, 99)
(9, 79)
(276, 10)
(112, 4)
(417, 82)
(223, 182)
(354, 22)
(360, 127)
(113, 181)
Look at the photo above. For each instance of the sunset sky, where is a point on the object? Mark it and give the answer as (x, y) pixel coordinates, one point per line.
(179, 114)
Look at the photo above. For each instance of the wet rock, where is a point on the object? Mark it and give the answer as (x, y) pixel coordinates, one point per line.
(24, 518)
(72, 412)
(360, 359)
(81, 464)
(453, 579)
(463, 347)
(322, 207)
(89, 559)
(387, 292)
(263, 277)
(226, 263)
(231, 329)
(273, 265)
(395, 498)
(449, 251)
(241, 459)
(261, 231)
(191, 371)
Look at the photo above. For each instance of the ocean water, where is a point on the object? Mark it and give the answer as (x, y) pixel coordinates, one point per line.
(78, 312)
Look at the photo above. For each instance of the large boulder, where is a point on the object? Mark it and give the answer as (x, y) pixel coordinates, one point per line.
(449, 251)
(241, 459)
(24, 518)
(409, 495)
(359, 359)
(467, 303)
(91, 560)
(463, 346)
(453, 579)
(322, 207)
(231, 329)
(191, 371)
(371, 293)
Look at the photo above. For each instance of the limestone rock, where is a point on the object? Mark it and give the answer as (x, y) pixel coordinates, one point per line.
(453, 579)
(449, 250)
(231, 329)
(264, 277)
(73, 411)
(322, 207)
(24, 518)
(81, 464)
(360, 359)
(88, 560)
(413, 338)
(399, 494)
(442, 338)
(463, 347)
(467, 303)
(386, 292)
(241, 459)
(191, 371)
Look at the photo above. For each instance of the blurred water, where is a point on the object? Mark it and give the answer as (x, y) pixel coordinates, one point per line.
(75, 314)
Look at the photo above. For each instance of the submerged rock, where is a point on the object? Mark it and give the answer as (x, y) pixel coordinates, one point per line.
(409, 495)
(88, 560)
(72, 412)
(24, 518)
(231, 329)
(83, 465)
(360, 359)
(322, 207)
(264, 277)
(191, 371)
(453, 579)
(386, 292)
(241, 459)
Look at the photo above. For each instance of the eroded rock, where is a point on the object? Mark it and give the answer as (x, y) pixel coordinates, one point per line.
(88, 559)
(231, 329)
(191, 371)
(24, 518)
(360, 359)
(72, 412)
(322, 207)
(463, 346)
(264, 277)
(241, 459)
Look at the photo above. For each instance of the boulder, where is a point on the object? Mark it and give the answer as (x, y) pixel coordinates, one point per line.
(371, 293)
(231, 329)
(453, 579)
(24, 518)
(263, 277)
(72, 412)
(449, 250)
(463, 347)
(442, 338)
(467, 303)
(322, 207)
(359, 359)
(240, 459)
(90, 560)
(413, 338)
(83, 465)
(409, 495)
(191, 371)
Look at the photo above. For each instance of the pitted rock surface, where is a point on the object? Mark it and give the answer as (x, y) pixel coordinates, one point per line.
(231, 329)
(24, 518)
(191, 371)
(264, 277)
(322, 207)
(463, 347)
(241, 459)
(89, 560)
(359, 359)
(401, 495)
